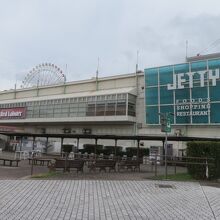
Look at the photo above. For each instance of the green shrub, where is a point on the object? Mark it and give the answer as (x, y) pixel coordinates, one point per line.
(132, 151)
(111, 150)
(90, 148)
(205, 150)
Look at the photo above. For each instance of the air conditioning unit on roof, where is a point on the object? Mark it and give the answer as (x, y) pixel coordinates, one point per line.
(86, 131)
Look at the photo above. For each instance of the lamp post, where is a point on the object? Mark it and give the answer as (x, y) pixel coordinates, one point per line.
(166, 155)
(165, 122)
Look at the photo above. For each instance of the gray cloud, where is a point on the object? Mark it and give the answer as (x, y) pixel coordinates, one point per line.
(77, 33)
(167, 44)
(201, 31)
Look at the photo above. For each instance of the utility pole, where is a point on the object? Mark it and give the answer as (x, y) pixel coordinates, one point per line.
(165, 121)
(97, 76)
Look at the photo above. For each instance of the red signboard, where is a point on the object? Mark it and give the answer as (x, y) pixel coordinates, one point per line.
(12, 113)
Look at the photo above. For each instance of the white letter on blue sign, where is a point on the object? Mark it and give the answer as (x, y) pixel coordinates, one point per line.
(172, 87)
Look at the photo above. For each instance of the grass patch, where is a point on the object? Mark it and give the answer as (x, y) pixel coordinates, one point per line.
(176, 177)
(44, 175)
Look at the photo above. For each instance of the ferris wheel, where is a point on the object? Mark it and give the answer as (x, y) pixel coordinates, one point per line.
(42, 75)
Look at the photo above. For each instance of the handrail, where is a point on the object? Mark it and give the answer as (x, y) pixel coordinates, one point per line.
(202, 158)
(205, 161)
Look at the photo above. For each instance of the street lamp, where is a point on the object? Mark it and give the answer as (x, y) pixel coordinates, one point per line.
(165, 121)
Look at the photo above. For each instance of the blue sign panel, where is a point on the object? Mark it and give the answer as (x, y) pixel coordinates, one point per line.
(190, 91)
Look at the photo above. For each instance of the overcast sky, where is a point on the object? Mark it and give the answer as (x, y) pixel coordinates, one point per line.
(75, 33)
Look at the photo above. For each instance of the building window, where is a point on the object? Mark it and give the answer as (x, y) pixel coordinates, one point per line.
(131, 109)
(121, 96)
(90, 111)
(100, 109)
(121, 108)
(110, 108)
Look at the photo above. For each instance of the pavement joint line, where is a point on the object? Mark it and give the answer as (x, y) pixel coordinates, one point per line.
(106, 199)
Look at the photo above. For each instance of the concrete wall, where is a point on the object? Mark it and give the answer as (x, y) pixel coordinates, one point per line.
(113, 82)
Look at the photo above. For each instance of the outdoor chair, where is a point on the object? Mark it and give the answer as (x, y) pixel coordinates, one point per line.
(134, 158)
(37, 153)
(63, 154)
(92, 156)
(124, 157)
(111, 157)
(101, 156)
(146, 160)
(21, 155)
(79, 155)
(71, 155)
(85, 156)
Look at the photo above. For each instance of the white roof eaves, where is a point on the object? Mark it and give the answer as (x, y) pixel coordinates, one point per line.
(130, 90)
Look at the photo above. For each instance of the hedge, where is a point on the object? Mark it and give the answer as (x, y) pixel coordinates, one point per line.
(90, 148)
(132, 151)
(205, 150)
(107, 150)
(111, 150)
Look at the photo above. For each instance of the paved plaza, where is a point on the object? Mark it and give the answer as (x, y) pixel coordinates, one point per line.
(99, 199)
(103, 195)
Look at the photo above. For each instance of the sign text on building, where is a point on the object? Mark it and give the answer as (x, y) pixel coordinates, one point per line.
(12, 113)
(193, 107)
(180, 79)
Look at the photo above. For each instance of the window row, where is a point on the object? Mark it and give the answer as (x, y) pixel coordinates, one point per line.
(90, 109)
(113, 97)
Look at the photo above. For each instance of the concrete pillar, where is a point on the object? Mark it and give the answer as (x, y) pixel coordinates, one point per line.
(21, 143)
(33, 143)
(138, 148)
(116, 146)
(61, 147)
(96, 142)
(46, 147)
(77, 145)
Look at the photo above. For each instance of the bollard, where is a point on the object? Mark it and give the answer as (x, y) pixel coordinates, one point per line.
(65, 167)
(32, 164)
(155, 162)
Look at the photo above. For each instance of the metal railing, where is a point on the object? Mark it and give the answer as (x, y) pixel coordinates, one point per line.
(178, 161)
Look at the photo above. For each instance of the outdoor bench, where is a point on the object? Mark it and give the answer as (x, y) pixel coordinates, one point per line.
(11, 161)
(40, 161)
(102, 165)
(66, 165)
(129, 164)
(77, 164)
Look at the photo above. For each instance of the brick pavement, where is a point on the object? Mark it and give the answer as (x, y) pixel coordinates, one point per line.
(213, 197)
(103, 195)
(99, 199)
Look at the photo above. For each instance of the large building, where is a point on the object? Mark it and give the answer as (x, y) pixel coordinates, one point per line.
(103, 106)
(129, 104)
(190, 92)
